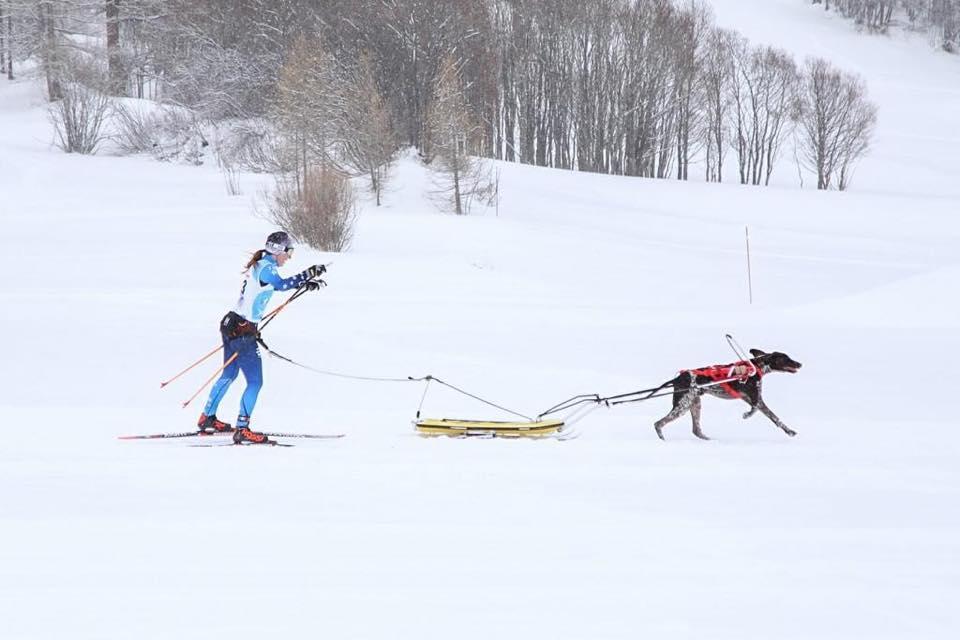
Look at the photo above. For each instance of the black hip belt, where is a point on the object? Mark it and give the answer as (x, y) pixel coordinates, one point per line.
(234, 325)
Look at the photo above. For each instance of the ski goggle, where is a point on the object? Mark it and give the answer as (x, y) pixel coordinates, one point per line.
(289, 251)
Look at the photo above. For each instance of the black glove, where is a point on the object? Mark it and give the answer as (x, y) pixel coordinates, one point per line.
(313, 285)
(315, 270)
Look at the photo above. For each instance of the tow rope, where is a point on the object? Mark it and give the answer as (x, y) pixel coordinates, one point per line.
(579, 405)
(427, 379)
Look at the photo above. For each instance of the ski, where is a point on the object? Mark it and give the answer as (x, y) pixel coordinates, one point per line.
(184, 434)
(571, 434)
(202, 434)
(315, 436)
(243, 444)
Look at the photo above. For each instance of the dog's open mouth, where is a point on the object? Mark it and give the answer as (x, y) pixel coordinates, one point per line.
(791, 369)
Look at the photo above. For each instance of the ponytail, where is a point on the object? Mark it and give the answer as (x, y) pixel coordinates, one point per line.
(255, 258)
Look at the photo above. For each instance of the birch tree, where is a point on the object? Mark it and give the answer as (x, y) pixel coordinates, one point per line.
(836, 123)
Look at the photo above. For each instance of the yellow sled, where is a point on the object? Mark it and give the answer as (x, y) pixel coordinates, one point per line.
(464, 428)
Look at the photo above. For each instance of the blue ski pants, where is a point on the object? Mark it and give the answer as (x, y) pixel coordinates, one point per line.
(248, 361)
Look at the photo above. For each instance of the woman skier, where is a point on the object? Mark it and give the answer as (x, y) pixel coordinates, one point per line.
(240, 334)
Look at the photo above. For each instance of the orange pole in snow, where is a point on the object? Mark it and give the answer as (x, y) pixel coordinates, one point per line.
(163, 384)
(215, 374)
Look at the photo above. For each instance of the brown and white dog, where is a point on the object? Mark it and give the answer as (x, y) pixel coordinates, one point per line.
(741, 380)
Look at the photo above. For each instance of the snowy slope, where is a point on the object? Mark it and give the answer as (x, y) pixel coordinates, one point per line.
(120, 269)
(916, 86)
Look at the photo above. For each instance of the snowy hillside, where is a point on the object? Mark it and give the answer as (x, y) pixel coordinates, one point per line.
(121, 268)
(917, 88)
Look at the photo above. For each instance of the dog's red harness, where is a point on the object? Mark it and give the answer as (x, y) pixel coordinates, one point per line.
(724, 374)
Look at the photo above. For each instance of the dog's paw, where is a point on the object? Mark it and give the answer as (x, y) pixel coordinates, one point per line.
(748, 414)
(790, 432)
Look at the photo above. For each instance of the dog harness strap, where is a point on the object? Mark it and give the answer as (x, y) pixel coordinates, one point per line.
(739, 371)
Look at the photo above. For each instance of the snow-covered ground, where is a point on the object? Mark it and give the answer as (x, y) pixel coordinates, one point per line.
(118, 270)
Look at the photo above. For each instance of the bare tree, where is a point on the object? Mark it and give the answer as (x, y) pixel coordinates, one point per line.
(762, 98)
(409, 39)
(114, 55)
(52, 49)
(308, 104)
(836, 122)
(874, 15)
(716, 77)
(943, 17)
(633, 87)
(9, 41)
(58, 34)
(694, 24)
(451, 133)
(26, 36)
(78, 117)
(367, 141)
(592, 41)
(940, 17)
(319, 210)
(3, 38)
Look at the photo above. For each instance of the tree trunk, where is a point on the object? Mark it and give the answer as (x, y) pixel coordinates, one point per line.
(3, 41)
(51, 53)
(9, 47)
(720, 141)
(456, 186)
(114, 56)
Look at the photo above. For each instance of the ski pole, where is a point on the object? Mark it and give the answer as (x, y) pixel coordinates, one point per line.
(215, 374)
(273, 314)
(267, 317)
(163, 384)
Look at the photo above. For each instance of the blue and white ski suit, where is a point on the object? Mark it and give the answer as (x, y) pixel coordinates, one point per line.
(239, 332)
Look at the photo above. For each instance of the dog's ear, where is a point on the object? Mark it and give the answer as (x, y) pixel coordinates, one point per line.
(756, 353)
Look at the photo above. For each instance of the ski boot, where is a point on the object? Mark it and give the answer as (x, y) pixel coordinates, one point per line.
(243, 434)
(210, 424)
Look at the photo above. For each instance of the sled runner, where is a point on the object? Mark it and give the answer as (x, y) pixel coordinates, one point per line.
(465, 428)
